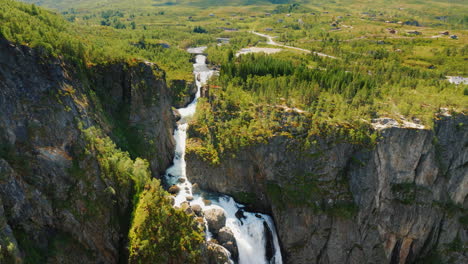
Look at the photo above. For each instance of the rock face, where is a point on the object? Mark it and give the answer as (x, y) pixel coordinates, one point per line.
(140, 103)
(402, 201)
(183, 92)
(54, 205)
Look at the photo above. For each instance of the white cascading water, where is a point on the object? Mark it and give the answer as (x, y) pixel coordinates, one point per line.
(249, 231)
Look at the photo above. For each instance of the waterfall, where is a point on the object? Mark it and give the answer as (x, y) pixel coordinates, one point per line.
(252, 231)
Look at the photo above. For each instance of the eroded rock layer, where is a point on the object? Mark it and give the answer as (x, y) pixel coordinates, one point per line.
(402, 201)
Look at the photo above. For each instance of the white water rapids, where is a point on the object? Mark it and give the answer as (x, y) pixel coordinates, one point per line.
(249, 231)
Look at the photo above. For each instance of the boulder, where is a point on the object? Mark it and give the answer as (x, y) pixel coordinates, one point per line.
(215, 254)
(181, 180)
(216, 219)
(197, 210)
(174, 189)
(227, 240)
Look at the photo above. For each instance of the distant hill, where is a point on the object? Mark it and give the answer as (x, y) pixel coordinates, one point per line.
(67, 4)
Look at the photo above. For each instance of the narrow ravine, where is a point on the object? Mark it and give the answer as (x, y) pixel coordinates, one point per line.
(255, 233)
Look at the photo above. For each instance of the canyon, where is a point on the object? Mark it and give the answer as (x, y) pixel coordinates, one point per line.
(403, 200)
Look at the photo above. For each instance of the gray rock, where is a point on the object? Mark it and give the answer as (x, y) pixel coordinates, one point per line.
(197, 210)
(216, 219)
(214, 254)
(227, 240)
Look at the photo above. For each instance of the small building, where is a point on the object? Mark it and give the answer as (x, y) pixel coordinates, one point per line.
(268, 14)
(446, 33)
(288, 15)
(211, 15)
(454, 37)
(280, 20)
(268, 29)
(391, 30)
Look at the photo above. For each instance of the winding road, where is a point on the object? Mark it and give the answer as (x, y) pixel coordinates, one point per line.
(272, 42)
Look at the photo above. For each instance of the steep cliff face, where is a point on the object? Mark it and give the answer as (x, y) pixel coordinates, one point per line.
(55, 206)
(183, 92)
(139, 105)
(400, 202)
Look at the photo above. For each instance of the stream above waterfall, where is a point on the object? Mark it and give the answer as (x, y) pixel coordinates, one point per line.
(255, 233)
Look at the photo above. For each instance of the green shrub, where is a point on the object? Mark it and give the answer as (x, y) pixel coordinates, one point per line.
(116, 165)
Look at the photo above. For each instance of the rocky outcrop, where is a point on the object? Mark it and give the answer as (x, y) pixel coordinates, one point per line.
(183, 92)
(54, 205)
(139, 102)
(214, 254)
(402, 201)
(228, 241)
(216, 220)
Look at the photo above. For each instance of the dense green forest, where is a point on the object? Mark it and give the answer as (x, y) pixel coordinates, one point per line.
(257, 97)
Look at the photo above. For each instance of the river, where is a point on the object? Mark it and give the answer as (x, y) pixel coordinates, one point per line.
(249, 230)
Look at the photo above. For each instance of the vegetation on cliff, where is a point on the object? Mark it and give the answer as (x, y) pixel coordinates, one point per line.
(116, 165)
(124, 178)
(161, 233)
(256, 97)
(55, 36)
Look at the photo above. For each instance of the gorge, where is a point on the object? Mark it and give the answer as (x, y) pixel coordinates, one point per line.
(332, 202)
(336, 140)
(253, 232)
